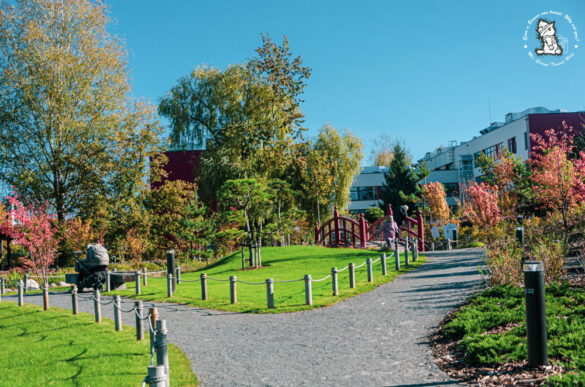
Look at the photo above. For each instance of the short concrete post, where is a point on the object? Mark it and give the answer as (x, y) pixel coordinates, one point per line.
(153, 317)
(414, 250)
(46, 297)
(160, 346)
(233, 294)
(20, 293)
(97, 307)
(384, 267)
(137, 280)
(203, 286)
(396, 255)
(139, 326)
(178, 274)
(144, 277)
(156, 376)
(352, 275)
(270, 292)
(108, 281)
(406, 247)
(169, 285)
(117, 313)
(308, 290)
(370, 270)
(26, 282)
(2, 286)
(334, 286)
(74, 300)
(432, 246)
(449, 244)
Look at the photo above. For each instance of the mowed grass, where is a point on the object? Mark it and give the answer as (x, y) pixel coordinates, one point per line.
(280, 264)
(56, 348)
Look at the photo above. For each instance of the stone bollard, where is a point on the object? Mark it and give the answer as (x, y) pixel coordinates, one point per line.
(137, 279)
(26, 282)
(233, 294)
(153, 317)
(270, 292)
(160, 346)
(2, 286)
(334, 286)
(308, 290)
(144, 277)
(384, 267)
(156, 376)
(352, 275)
(108, 281)
(406, 247)
(20, 293)
(370, 271)
(396, 255)
(74, 300)
(169, 285)
(414, 248)
(97, 307)
(432, 246)
(139, 326)
(178, 274)
(203, 286)
(46, 297)
(117, 313)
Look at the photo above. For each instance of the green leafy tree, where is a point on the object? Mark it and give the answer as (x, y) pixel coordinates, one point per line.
(373, 214)
(70, 133)
(197, 229)
(401, 182)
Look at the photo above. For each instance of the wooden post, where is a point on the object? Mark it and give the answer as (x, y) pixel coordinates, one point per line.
(336, 226)
(352, 275)
(156, 376)
(363, 231)
(334, 286)
(144, 277)
(137, 280)
(108, 281)
(97, 307)
(396, 255)
(270, 292)
(46, 297)
(160, 346)
(203, 286)
(139, 326)
(370, 272)
(406, 259)
(153, 316)
(26, 283)
(74, 300)
(117, 313)
(317, 233)
(20, 291)
(170, 284)
(233, 294)
(178, 275)
(308, 290)
(171, 266)
(421, 232)
(384, 268)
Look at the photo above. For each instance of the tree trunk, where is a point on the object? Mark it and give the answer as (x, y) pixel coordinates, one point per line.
(260, 245)
(249, 232)
(281, 231)
(318, 214)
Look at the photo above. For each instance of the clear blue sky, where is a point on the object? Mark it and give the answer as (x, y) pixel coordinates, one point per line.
(422, 71)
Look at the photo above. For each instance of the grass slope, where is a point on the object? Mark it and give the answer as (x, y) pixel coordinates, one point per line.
(281, 264)
(499, 306)
(42, 348)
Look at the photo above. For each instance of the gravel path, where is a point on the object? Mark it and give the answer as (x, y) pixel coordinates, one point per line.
(377, 338)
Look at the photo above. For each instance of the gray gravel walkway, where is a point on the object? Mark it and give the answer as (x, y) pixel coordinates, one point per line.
(374, 339)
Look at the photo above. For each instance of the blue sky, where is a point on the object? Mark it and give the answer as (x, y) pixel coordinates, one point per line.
(422, 71)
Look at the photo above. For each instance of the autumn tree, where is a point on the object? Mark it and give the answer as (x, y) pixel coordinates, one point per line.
(70, 133)
(481, 206)
(382, 155)
(435, 198)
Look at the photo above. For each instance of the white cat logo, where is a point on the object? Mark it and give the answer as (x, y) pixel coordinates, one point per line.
(547, 34)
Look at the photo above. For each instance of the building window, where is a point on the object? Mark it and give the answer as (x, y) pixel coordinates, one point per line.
(466, 164)
(363, 193)
(512, 145)
(451, 189)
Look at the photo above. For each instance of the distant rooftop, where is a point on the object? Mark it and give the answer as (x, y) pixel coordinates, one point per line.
(373, 169)
(510, 117)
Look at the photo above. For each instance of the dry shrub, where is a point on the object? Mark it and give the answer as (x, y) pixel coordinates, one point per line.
(503, 257)
(552, 254)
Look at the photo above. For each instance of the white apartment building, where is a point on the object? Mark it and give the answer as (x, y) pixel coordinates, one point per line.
(365, 190)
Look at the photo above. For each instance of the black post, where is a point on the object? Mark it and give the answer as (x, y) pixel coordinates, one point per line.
(171, 267)
(535, 313)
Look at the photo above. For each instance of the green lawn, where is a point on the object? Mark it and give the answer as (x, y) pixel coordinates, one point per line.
(281, 264)
(504, 305)
(42, 348)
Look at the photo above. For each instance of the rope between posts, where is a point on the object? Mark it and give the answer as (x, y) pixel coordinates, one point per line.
(101, 302)
(251, 283)
(376, 260)
(282, 282)
(49, 276)
(148, 276)
(322, 279)
(340, 270)
(184, 280)
(357, 267)
(122, 310)
(217, 279)
(156, 272)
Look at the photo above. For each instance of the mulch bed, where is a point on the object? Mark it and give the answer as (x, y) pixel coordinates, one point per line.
(449, 358)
